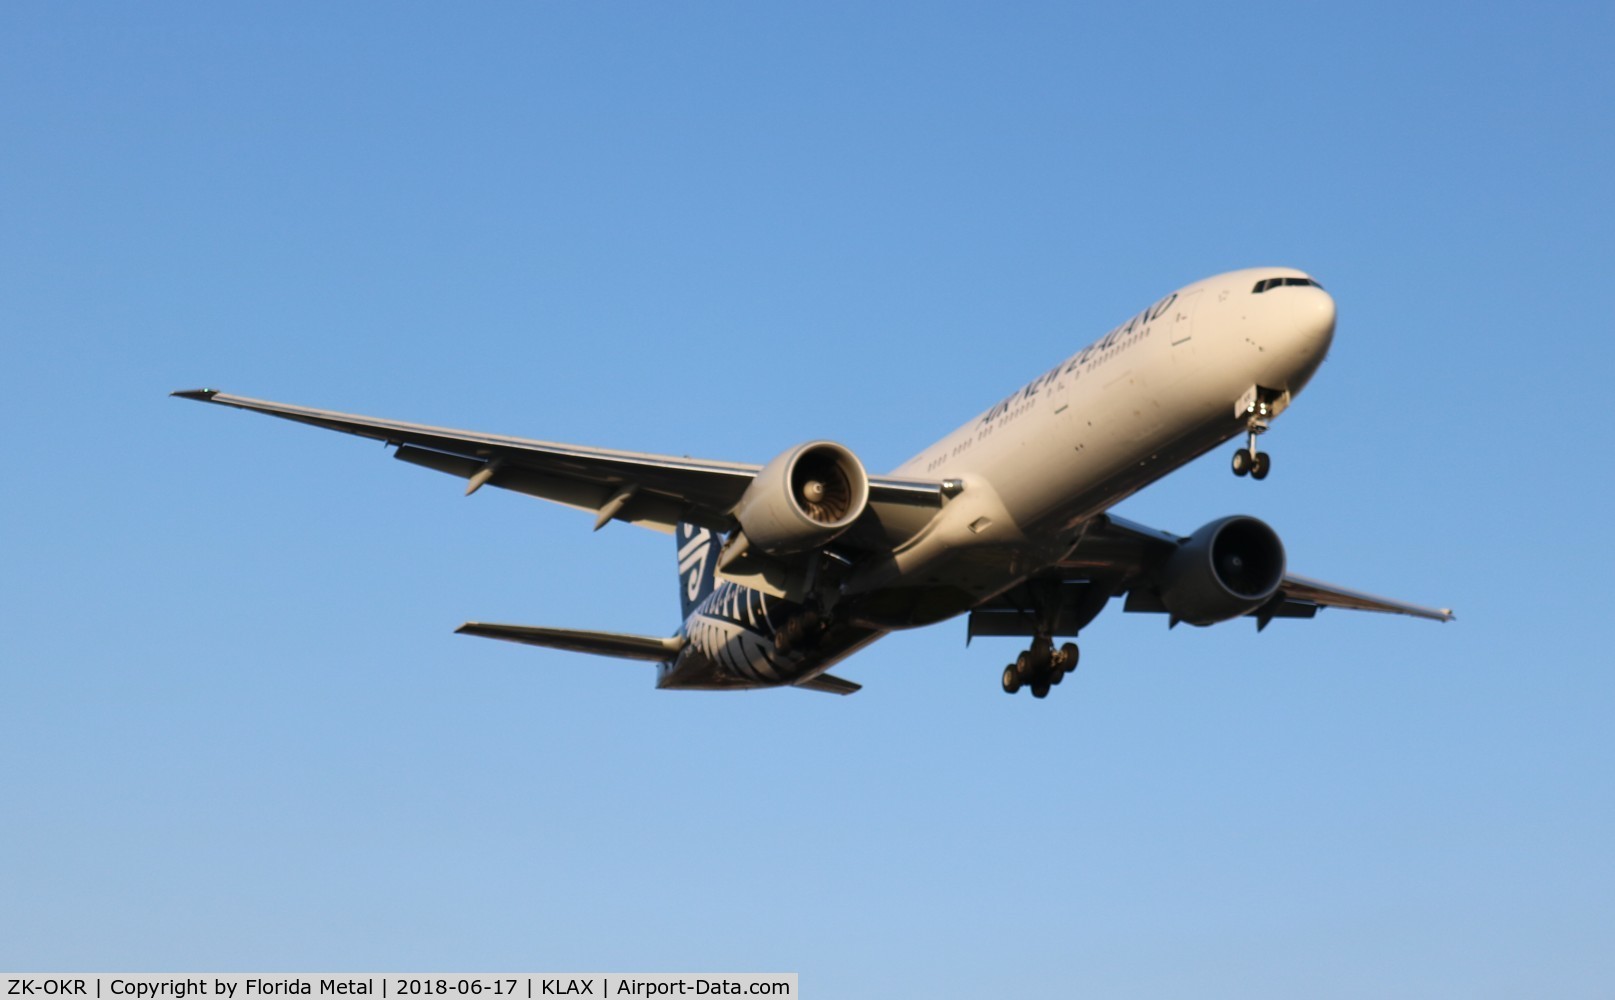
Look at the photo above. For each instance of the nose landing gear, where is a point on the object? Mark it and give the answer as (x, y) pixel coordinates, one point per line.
(1250, 462)
(1258, 406)
(1040, 667)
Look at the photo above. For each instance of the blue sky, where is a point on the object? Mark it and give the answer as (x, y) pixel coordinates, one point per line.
(240, 733)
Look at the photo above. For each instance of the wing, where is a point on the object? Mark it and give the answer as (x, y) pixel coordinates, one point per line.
(653, 491)
(1116, 556)
(1300, 589)
(1298, 596)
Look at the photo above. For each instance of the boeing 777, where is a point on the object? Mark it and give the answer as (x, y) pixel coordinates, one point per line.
(786, 569)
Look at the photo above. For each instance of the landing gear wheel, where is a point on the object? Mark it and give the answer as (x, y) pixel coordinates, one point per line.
(1069, 655)
(1012, 680)
(1056, 676)
(1040, 689)
(1242, 463)
(1260, 466)
(1024, 666)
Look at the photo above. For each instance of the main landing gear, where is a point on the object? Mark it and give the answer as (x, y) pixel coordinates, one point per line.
(1041, 667)
(801, 631)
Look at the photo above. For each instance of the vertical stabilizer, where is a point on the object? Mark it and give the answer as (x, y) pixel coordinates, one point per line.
(698, 565)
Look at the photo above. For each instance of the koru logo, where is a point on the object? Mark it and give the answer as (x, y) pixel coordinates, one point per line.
(693, 558)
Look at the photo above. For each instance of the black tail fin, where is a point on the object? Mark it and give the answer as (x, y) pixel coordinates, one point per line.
(698, 562)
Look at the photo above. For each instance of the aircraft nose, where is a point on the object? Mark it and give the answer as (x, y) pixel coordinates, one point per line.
(1313, 323)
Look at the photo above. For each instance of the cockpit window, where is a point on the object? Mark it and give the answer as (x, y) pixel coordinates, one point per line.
(1266, 283)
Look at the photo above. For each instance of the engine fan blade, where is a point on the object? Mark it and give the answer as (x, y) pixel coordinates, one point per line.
(827, 500)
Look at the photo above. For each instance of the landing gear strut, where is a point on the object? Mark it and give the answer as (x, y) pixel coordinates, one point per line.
(1040, 667)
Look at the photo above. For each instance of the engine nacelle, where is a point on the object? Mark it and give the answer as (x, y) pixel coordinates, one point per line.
(1226, 569)
(803, 498)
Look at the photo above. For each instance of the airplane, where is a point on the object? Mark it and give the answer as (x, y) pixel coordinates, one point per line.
(788, 568)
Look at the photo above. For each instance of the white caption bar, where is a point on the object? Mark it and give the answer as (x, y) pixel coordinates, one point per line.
(391, 985)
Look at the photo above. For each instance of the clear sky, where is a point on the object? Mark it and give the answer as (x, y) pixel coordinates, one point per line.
(239, 733)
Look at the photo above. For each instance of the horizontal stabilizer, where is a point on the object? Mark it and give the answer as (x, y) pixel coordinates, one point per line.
(628, 647)
(830, 685)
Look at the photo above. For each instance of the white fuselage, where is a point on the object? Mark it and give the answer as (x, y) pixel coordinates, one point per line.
(1152, 394)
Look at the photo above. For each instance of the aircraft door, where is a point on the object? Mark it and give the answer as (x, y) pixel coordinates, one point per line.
(1180, 332)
